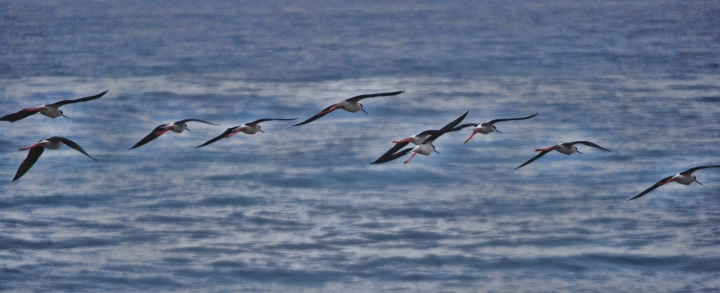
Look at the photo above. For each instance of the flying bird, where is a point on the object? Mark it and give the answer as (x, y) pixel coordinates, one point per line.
(50, 110)
(489, 126)
(249, 128)
(177, 126)
(424, 146)
(567, 148)
(53, 143)
(685, 178)
(351, 105)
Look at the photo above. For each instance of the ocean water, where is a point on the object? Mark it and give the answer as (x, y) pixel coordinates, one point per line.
(300, 208)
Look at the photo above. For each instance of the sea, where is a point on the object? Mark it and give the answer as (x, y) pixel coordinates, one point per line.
(300, 208)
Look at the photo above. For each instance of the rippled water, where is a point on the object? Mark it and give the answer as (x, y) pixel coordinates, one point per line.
(301, 208)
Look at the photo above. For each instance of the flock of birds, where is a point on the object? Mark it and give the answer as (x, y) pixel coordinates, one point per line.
(423, 141)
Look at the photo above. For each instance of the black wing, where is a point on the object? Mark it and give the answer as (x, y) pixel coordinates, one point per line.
(195, 120)
(387, 157)
(153, 135)
(269, 119)
(85, 99)
(71, 144)
(462, 126)
(447, 128)
(17, 115)
(428, 132)
(32, 157)
(219, 137)
(542, 153)
(691, 170)
(587, 143)
(360, 97)
(316, 117)
(510, 119)
(651, 188)
(391, 151)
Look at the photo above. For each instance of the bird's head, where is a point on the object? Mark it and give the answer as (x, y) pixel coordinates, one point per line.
(695, 179)
(362, 108)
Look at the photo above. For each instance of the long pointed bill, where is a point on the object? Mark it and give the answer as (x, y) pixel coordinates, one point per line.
(698, 182)
(65, 116)
(364, 111)
(32, 146)
(188, 129)
(411, 156)
(498, 131)
(471, 136)
(436, 152)
(579, 152)
(261, 130)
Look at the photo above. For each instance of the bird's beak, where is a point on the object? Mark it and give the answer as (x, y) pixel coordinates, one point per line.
(65, 116)
(364, 111)
(579, 152)
(261, 130)
(698, 182)
(436, 152)
(188, 129)
(498, 131)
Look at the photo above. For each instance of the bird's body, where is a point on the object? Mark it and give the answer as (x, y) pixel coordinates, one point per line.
(488, 127)
(685, 178)
(423, 141)
(416, 139)
(49, 110)
(248, 128)
(53, 143)
(351, 105)
(567, 148)
(177, 126)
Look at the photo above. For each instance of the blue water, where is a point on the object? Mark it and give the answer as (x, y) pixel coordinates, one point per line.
(301, 208)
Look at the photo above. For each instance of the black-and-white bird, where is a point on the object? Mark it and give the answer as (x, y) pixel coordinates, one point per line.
(177, 126)
(424, 146)
(685, 178)
(53, 143)
(489, 126)
(50, 110)
(249, 128)
(567, 148)
(351, 105)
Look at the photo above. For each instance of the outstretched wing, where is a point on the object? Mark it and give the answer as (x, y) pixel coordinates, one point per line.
(447, 128)
(153, 135)
(32, 157)
(195, 120)
(463, 126)
(691, 170)
(360, 97)
(219, 137)
(587, 143)
(17, 115)
(542, 153)
(317, 116)
(73, 145)
(388, 156)
(651, 188)
(510, 119)
(85, 99)
(269, 119)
